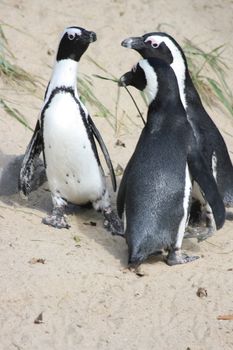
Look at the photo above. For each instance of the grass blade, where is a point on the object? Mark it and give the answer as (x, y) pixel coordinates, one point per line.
(213, 89)
(105, 78)
(220, 95)
(15, 114)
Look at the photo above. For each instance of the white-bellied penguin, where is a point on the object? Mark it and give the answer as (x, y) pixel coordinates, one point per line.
(65, 134)
(209, 140)
(155, 190)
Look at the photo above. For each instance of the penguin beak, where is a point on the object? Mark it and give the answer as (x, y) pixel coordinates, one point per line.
(88, 36)
(136, 43)
(93, 37)
(125, 79)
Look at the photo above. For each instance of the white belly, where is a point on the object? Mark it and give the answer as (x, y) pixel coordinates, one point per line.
(72, 168)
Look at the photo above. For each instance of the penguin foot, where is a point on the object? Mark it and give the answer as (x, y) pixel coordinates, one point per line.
(199, 232)
(56, 220)
(177, 257)
(112, 222)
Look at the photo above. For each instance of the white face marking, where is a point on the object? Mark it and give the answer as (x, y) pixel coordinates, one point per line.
(152, 81)
(154, 42)
(71, 32)
(183, 222)
(178, 62)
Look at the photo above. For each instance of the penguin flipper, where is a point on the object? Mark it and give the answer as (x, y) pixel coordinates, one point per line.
(28, 164)
(105, 152)
(203, 176)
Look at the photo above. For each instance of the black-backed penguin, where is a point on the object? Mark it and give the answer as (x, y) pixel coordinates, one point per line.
(65, 134)
(155, 190)
(209, 140)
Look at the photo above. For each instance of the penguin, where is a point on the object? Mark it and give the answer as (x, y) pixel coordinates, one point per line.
(156, 186)
(209, 140)
(65, 135)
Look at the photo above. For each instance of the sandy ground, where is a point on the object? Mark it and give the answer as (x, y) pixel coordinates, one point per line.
(87, 298)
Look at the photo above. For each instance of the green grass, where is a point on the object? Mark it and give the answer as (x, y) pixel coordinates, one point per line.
(208, 71)
(14, 77)
(12, 73)
(110, 77)
(116, 124)
(13, 112)
(85, 87)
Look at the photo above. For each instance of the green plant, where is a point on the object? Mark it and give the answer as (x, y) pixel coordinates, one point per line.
(12, 73)
(14, 76)
(110, 77)
(85, 85)
(13, 112)
(208, 72)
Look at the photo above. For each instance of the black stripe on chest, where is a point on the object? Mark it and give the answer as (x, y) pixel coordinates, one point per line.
(70, 90)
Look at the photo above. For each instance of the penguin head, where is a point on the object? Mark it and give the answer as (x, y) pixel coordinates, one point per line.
(143, 76)
(135, 77)
(157, 44)
(153, 76)
(74, 42)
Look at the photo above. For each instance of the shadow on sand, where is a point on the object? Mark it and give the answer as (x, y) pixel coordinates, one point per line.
(9, 174)
(40, 199)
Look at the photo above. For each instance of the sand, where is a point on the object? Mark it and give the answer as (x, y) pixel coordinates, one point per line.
(87, 298)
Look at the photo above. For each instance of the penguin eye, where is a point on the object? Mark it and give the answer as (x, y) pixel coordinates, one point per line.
(152, 43)
(71, 36)
(155, 45)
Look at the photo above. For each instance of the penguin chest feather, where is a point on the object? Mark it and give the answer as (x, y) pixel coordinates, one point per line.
(71, 165)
